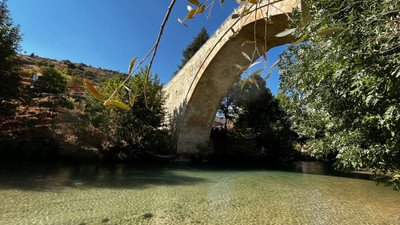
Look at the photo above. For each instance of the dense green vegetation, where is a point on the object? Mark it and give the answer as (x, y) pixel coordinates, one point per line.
(10, 38)
(261, 130)
(125, 134)
(342, 89)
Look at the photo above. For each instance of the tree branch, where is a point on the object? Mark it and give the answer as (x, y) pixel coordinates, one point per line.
(155, 50)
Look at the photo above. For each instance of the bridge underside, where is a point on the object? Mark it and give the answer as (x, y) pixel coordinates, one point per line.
(196, 92)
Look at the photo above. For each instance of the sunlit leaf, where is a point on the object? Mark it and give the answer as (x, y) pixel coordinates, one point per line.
(255, 63)
(131, 98)
(244, 83)
(107, 103)
(131, 95)
(194, 2)
(285, 32)
(131, 65)
(246, 56)
(248, 42)
(202, 8)
(119, 104)
(93, 90)
(244, 12)
(189, 8)
(305, 12)
(301, 39)
(191, 14)
(276, 63)
(329, 30)
(254, 81)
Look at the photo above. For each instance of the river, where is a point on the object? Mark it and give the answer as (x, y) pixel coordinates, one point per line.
(299, 193)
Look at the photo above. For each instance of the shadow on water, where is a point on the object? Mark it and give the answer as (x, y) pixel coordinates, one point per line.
(53, 176)
(47, 177)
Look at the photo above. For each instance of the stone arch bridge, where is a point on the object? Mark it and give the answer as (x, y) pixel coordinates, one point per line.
(194, 95)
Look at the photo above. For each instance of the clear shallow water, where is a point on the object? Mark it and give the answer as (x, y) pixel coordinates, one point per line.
(303, 193)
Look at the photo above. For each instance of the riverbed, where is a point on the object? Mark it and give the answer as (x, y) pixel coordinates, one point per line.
(299, 193)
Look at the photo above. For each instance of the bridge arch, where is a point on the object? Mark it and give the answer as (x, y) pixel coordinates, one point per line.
(194, 95)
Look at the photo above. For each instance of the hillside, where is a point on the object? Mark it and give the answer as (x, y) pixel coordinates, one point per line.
(33, 63)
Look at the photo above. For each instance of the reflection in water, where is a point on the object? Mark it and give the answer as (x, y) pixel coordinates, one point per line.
(303, 193)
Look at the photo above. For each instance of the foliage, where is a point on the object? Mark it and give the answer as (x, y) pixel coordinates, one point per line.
(75, 81)
(135, 132)
(229, 107)
(51, 87)
(260, 119)
(342, 89)
(9, 45)
(193, 47)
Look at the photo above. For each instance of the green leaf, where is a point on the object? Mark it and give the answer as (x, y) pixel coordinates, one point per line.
(329, 30)
(131, 65)
(285, 32)
(305, 12)
(194, 2)
(119, 104)
(93, 90)
(301, 39)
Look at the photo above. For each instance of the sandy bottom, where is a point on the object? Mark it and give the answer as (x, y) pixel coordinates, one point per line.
(122, 195)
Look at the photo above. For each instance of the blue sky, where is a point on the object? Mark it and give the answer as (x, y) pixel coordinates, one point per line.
(108, 34)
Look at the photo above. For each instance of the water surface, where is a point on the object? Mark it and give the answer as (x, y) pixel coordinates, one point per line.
(302, 193)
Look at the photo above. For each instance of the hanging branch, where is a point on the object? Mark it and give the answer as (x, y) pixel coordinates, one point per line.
(155, 50)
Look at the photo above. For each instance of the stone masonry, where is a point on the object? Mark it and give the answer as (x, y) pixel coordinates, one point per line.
(194, 95)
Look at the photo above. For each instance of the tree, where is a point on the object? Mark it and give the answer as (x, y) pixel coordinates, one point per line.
(9, 45)
(193, 47)
(51, 87)
(136, 132)
(343, 89)
(229, 105)
(260, 119)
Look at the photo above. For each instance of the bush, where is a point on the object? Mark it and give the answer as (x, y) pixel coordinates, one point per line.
(87, 73)
(41, 63)
(134, 133)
